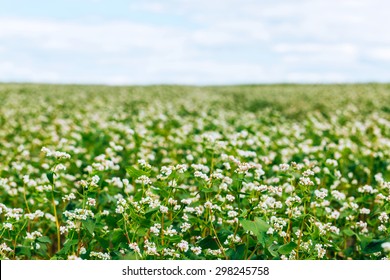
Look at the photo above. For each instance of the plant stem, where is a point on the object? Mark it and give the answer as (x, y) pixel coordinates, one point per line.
(56, 217)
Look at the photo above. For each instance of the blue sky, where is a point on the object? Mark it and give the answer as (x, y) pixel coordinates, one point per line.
(194, 42)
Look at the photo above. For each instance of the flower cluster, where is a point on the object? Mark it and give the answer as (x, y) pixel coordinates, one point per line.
(195, 173)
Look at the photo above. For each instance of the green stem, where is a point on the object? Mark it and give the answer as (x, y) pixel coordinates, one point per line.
(17, 236)
(25, 198)
(218, 241)
(126, 232)
(56, 217)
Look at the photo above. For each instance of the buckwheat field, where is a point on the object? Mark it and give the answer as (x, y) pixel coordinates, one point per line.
(172, 172)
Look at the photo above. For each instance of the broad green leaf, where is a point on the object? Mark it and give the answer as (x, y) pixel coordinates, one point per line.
(117, 236)
(262, 224)
(135, 173)
(287, 248)
(273, 250)
(44, 239)
(236, 253)
(374, 246)
(258, 227)
(348, 232)
(209, 243)
(50, 176)
(23, 250)
(207, 190)
(70, 243)
(89, 224)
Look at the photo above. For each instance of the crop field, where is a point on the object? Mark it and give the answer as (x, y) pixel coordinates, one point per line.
(174, 172)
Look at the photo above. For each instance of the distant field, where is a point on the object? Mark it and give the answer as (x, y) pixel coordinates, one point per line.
(175, 172)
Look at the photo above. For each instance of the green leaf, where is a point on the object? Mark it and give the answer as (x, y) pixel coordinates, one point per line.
(70, 243)
(348, 232)
(175, 238)
(23, 250)
(117, 236)
(89, 224)
(207, 190)
(44, 239)
(67, 246)
(273, 250)
(374, 246)
(287, 248)
(258, 227)
(364, 240)
(151, 210)
(262, 224)
(209, 243)
(50, 176)
(135, 173)
(236, 253)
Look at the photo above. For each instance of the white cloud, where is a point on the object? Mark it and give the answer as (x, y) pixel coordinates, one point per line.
(219, 41)
(381, 54)
(76, 36)
(348, 49)
(337, 55)
(10, 71)
(308, 77)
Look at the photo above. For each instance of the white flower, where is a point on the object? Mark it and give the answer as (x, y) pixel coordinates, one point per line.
(82, 251)
(382, 228)
(91, 201)
(201, 175)
(383, 217)
(185, 226)
(183, 246)
(150, 248)
(134, 246)
(163, 209)
(321, 194)
(59, 167)
(33, 235)
(308, 173)
(100, 255)
(230, 197)
(196, 250)
(170, 231)
(305, 181)
(68, 197)
(145, 180)
(232, 239)
(95, 179)
(270, 230)
(386, 246)
(8, 226)
(56, 154)
(155, 229)
(364, 211)
(232, 214)
(284, 166)
(320, 250)
(5, 248)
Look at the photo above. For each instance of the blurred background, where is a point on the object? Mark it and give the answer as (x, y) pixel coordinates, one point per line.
(198, 42)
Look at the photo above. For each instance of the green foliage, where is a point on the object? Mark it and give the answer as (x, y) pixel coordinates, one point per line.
(287, 248)
(173, 172)
(258, 227)
(135, 173)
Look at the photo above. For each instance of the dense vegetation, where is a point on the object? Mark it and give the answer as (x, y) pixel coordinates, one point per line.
(173, 172)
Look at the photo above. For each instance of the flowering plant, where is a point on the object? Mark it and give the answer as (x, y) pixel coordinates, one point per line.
(272, 172)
